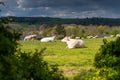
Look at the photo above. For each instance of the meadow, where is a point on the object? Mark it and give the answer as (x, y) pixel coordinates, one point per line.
(72, 62)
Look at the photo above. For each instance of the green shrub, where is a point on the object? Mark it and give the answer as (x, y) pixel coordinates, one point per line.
(8, 43)
(112, 47)
(24, 66)
(33, 67)
(107, 60)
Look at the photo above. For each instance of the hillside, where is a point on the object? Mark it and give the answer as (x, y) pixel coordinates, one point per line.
(53, 21)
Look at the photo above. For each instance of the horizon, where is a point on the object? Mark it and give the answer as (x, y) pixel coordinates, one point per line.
(59, 17)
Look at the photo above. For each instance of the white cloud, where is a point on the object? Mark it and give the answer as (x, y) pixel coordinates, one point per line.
(9, 14)
(47, 8)
(94, 13)
(20, 2)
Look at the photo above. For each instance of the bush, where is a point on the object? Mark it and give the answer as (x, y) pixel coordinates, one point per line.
(8, 43)
(107, 60)
(23, 66)
(17, 65)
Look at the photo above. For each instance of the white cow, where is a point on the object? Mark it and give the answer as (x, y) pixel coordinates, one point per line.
(117, 35)
(95, 36)
(75, 43)
(89, 37)
(65, 39)
(48, 39)
(30, 37)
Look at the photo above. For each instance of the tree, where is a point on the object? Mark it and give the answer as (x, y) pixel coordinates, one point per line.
(60, 30)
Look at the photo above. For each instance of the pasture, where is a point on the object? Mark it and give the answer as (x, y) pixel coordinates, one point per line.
(72, 62)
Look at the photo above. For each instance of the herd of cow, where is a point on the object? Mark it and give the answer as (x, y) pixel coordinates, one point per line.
(71, 43)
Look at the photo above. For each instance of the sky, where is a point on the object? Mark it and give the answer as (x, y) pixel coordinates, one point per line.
(61, 8)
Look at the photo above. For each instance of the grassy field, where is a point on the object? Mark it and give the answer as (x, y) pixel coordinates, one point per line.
(72, 62)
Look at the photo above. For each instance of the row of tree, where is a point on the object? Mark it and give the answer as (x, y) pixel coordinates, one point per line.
(53, 21)
(67, 30)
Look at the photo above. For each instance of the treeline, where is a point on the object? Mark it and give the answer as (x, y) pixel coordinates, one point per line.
(53, 21)
(63, 30)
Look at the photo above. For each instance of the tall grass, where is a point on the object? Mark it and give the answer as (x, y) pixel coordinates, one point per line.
(71, 61)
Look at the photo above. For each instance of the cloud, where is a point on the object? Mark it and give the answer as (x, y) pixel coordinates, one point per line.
(20, 2)
(63, 8)
(9, 13)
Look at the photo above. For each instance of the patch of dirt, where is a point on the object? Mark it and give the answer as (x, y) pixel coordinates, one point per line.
(69, 71)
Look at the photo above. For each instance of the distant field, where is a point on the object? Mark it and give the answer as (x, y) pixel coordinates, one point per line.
(70, 61)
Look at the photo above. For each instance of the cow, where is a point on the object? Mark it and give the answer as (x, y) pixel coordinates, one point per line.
(48, 39)
(30, 37)
(75, 43)
(65, 39)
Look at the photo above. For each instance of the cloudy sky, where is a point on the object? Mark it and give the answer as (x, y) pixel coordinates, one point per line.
(61, 8)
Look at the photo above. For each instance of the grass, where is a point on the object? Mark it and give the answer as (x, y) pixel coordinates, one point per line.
(72, 62)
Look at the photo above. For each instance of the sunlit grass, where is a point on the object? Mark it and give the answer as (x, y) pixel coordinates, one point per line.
(70, 61)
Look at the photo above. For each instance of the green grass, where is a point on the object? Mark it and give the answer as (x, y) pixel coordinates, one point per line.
(70, 61)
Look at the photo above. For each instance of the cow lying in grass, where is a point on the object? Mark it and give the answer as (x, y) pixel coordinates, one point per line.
(30, 37)
(65, 39)
(73, 43)
(48, 39)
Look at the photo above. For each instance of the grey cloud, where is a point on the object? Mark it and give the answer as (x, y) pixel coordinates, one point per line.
(54, 3)
(62, 8)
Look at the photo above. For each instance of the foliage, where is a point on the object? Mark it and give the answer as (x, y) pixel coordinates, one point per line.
(33, 67)
(75, 31)
(53, 21)
(60, 30)
(8, 46)
(8, 39)
(17, 65)
(67, 30)
(47, 32)
(101, 29)
(107, 60)
(23, 66)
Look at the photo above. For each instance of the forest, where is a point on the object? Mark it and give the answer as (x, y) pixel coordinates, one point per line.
(53, 21)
